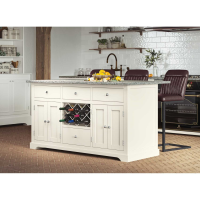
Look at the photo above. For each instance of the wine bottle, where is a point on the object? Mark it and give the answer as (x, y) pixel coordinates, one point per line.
(77, 120)
(86, 121)
(71, 121)
(67, 108)
(86, 109)
(77, 109)
(76, 116)
(82, 113)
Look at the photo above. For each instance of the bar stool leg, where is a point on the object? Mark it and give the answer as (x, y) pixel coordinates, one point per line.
(163, 126)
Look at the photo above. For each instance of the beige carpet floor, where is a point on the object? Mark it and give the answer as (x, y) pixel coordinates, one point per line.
(16, 157)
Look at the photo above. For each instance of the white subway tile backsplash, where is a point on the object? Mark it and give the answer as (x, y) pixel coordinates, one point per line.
(181, 50)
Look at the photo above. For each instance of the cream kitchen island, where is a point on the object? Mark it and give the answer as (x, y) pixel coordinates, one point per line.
(123, 117)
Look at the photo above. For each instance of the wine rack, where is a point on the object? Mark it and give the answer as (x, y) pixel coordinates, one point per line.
(81, 107)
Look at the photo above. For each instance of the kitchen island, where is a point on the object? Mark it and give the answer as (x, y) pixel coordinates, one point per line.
(120, 118)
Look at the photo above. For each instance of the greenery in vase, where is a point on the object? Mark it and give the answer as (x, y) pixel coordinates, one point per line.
(102, 41)
(115, 39)
(18, 54)
(2, 53)
(152, 58)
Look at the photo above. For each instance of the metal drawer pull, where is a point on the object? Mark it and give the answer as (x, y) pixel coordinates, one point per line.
(107, 94)
(105, 127)
(75, 136)
(45, 121)
(48, 121)
(108, 126)
(75, 93)
(46, 91)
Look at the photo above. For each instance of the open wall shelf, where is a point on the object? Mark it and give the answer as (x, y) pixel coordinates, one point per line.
(150, 29)
(99, 33)
(140, 49)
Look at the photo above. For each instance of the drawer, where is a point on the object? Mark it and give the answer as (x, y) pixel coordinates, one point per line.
(80, 93)
(108, 94)
(47, 92)
(77, 136)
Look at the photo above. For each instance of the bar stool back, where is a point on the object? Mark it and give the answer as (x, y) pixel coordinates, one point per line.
(137, 74)
(173, 93)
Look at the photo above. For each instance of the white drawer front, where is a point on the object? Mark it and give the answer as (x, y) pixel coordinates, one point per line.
(77, 136)
(47, 92)
(76, 93)
(108, 94)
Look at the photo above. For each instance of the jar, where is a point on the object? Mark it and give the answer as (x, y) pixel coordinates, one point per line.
(87, 71)
(16, 34)
(4, 34)
(10, 33)
(81, 72)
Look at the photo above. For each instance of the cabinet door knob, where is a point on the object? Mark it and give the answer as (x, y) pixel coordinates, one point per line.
(105, 127)
(75, 93)
(48, 121)
(45, 121)
(75, 136)
(108, 126)
(107, 94)
(46, 91)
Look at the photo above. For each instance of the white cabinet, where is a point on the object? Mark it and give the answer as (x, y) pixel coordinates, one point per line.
(115, 127)
(20, 103)
(46, 121)
(108, 127)
(5, 97)
(100, 120)
(14, 99)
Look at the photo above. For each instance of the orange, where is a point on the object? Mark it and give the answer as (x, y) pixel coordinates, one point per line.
(150, 75)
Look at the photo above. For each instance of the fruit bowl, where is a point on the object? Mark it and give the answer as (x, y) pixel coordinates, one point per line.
(101, 76)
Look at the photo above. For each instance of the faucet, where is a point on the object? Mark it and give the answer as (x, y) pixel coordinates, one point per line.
(116, 69)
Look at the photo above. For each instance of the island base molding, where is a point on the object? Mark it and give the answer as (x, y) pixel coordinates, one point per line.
(17, 119)
(124, 158)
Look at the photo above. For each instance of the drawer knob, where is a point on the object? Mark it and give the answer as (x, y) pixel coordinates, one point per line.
(109, 127)
(48, 121)
(47, 92)
(105, 127)
(45, 121)
(107, 94)
(75, 136)
(75, 93)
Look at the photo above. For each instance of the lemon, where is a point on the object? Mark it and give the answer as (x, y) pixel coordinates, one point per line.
(97, 74)
(118, 78)
(108, 79)
(107, 73)
(102, 71)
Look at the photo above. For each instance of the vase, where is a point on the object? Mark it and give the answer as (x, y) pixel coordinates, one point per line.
(115, 45)
(102, 46)
(155, 70)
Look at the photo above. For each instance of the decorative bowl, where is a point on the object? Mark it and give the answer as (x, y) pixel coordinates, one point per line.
(102, 76)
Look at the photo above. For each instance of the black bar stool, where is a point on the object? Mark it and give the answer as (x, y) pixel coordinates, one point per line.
(173, 93)
(111, 71)
(137, 74)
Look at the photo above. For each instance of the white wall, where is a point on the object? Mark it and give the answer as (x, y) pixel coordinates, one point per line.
(65, 51)
(180, 50)
(30, 51)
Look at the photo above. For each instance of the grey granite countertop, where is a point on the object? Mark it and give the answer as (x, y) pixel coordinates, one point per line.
(155, 78)
(155, 82)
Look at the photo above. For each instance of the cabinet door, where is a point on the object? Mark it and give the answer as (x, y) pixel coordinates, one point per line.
(115, 127)
(5, 97)
(53, 122)
(99, 121)
(20, 96)
(40, 121)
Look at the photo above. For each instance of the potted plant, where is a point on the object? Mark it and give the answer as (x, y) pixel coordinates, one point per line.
(102, 43)
(151, 59)
(115, 42)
